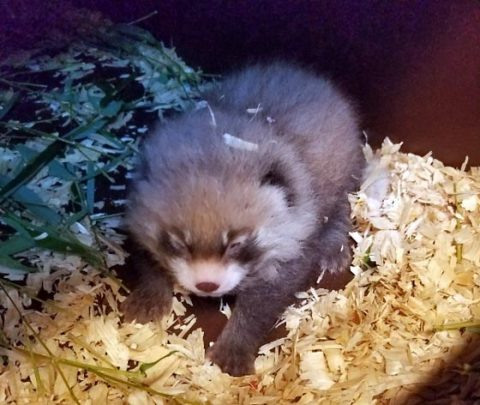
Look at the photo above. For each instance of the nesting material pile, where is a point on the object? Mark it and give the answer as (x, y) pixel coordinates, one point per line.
(417, 267)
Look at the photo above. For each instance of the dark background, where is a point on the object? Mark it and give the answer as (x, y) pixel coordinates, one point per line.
(412, 66)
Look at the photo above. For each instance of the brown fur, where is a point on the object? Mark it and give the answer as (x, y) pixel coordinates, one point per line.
(289, 197)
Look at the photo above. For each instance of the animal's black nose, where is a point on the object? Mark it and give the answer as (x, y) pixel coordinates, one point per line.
(207, 287)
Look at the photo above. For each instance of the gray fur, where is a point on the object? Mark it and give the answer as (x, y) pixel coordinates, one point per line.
(289, 193)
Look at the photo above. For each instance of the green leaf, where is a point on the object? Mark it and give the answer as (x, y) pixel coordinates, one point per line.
(46, 156)
(59, 240)
(145, 366)
(84, 130)
(57, 169)
(16, 223)
(90, 188)
(26, 152)
(112, 109)
(68, 245)
(78, 216)
(9, 98)
(31, 169)
(16, 244)
(30, 200)
(13, 269)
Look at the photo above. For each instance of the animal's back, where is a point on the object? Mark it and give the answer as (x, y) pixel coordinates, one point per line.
(307, 111)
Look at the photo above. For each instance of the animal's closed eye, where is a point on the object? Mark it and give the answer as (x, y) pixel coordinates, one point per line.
(234, 248)
(235, 240)
(173, 243)
(241, 246)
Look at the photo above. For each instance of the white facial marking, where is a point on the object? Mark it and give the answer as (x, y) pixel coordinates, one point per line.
(175, 240)
(240, 238)
(207, 271)
(188, 236)
(225, 237)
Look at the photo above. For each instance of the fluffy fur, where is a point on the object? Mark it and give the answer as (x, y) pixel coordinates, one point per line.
(259, 216)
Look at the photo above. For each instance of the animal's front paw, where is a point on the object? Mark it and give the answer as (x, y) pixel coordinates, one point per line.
(146, 306)
(232, 359)
(336, 262)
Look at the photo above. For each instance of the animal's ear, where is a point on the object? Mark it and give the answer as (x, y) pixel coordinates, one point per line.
(276, 176)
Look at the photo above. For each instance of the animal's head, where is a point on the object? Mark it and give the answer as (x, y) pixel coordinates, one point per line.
(217, 216)
(213, 235)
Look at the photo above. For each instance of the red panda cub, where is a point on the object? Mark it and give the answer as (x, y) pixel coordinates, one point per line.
(245, 196)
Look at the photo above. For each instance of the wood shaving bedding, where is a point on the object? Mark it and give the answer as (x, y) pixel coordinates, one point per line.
(417, 283)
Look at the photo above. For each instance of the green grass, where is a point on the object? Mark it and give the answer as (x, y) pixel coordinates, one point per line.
(70, 128)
